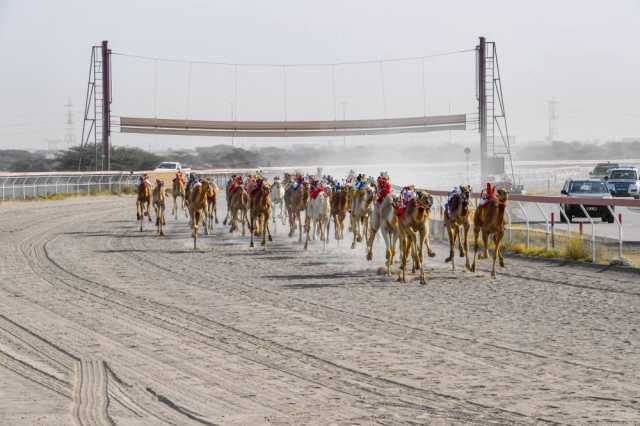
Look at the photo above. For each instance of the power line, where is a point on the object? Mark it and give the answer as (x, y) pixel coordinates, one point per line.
(370, 61)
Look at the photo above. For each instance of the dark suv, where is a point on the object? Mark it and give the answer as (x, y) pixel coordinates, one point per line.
(586, 188)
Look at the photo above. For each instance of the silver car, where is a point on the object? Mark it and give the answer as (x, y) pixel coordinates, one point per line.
(586, 188)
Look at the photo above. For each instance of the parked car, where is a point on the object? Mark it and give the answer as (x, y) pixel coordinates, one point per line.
(624, 182)
(170, 166)
(601, 170)
(586, 188)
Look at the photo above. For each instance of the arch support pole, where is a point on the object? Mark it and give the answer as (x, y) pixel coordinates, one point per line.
(482, 108)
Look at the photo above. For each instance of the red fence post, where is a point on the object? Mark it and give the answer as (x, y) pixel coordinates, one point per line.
(553, 233)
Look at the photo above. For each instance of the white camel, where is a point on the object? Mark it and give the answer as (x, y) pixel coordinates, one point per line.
(317, 218)
(385, 220)
(277, 199)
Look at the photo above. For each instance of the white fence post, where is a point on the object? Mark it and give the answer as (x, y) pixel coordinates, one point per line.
(593, 233)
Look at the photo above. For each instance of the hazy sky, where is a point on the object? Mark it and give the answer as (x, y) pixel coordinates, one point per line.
(586, 54)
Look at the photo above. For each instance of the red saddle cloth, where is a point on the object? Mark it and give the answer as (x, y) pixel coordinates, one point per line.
(383, 191)
(234, 187)
(400, 211)
(315, 192)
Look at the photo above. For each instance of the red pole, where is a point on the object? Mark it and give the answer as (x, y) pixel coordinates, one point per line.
(553, 233)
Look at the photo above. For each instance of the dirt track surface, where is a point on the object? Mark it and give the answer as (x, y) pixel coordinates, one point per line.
(102, 324)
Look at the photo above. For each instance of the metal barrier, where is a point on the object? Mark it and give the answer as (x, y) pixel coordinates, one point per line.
(24, 186)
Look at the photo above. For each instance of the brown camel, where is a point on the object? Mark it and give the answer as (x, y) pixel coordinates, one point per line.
(260, 212)
(143, 202)
(198, 209)
(158, 197)
(361, 207)
(413, 224)
(296, 202)
(212, 205)
(457, 220)
(238, 205)
(489, 219)
(339, 209)
(178, 191)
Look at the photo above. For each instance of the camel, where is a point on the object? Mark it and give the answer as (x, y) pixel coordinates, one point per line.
(178, 191)
(198, 209)
(260, 213)
(238, 201)
(277, 199)
(158, 197)
(143, 202)
(212, 205)
(361, 206)
(413, 224)
(339, 208)
(317, 216)
(296, 202)
(457, 219)
(489, 219)
(385, 220)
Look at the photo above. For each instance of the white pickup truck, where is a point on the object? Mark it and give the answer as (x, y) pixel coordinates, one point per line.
(171, 166)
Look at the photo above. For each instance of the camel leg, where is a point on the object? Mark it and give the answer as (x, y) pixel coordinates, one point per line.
(307, 229)
(215, 213)
(299, 219)
(498, 243)
(452, 243)
(243, 215)
(466, 246)
(355, 230)
(485, 241)
(149, 211)
(269, 233)
(475, 249)
(251, 243)
(496, 252)
(194, 229)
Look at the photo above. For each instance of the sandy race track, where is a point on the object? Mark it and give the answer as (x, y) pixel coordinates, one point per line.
(102, 324)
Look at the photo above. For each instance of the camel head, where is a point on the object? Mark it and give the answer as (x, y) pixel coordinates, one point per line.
(424, 201)
(465, 196)
(502, 195)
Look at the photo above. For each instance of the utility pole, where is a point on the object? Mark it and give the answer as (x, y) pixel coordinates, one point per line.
(68, 136)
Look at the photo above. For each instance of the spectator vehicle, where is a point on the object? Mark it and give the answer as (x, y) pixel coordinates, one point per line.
(601, 170)
(170, 166)
(586, 188)
(624, 182)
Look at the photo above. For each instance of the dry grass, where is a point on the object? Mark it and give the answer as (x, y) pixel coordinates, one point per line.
(64, 195)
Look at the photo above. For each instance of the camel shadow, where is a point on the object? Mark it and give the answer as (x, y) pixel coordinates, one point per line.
(310, 286)
(331, 276)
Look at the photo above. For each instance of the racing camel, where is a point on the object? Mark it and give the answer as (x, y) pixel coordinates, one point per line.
(384, 219)
(212, 205)
(260, 213)
(143, 201)
(361, 206)
(158, 197)
(198, 209)
(413, 224)
(339, 208)
(295, 200)
(238, 201)
(489, 219)
(457, 221)
(317, 216)
(178, 191)
(277, 200)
